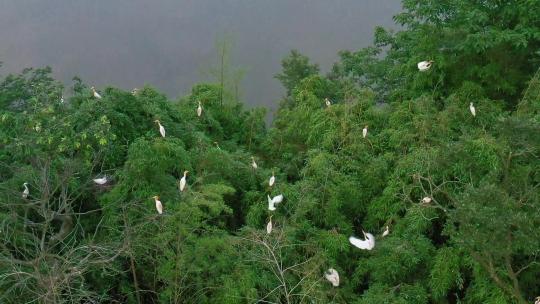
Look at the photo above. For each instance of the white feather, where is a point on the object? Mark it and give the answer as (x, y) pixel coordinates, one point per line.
(333, 276)
(271, 206)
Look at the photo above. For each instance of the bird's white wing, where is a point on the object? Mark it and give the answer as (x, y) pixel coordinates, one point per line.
(159, 207)
(371, 241)
(182, 184)
(269, 227)
(271, 181)
(162, 130)
(278, 199)
(359, 243)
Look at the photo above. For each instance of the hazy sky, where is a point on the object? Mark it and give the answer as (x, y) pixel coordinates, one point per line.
(169, 44)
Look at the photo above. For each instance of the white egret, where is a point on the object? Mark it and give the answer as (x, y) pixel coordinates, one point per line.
(269, 226)
(368, 243)
(159, 206)
(183, 181)
(95, 93)
(161, 128)
(426, 200)
(332, 276)
(101, 180)
(26, 191)
(364, 132)
(272, 202)
(472, 109)
(272, 180)
(134, 91)
(253, 163)
(62, 99)
(199, 109)
(327, 102)
(386, 231)
(424, 65)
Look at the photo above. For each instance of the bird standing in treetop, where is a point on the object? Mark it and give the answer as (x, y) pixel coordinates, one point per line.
(368, 243)
(199, 109)
(101, 180)
(272, 202)
(364, 132)
(272, 180)
(95, 93)
(62, 99)
(386, 231)
(269, 226)
(26, 191)
(424, 65)
(426, 200)
(134, 91)
(332, 276)
(253, 163)
(327, 102)
(472, 109)
(161, 128)
(159, 206)
(183, 181)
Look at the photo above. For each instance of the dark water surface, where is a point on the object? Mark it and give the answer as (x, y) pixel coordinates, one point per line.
(171, 44)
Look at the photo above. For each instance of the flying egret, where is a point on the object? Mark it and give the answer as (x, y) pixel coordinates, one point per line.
(272, 202)
(426, 200)
(183, 181)
(26, 191)
(101, 180)
(332, 276)
(472, 109)
(327, 102)
(424, 65)
(95, 93)
(161, 128)
(159, 206)
(199, 109)
(269, 226)
(272, 180)
(364, 132)
(386, 231)
(253, 163)
(368, 243)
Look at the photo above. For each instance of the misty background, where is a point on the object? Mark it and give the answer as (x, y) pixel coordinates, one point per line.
(171, 44)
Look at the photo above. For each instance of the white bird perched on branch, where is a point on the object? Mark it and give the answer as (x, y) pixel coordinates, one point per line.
(272, 180)
(424, 65)
(26, 191)
(183, 181)
(368, 243)
(101, 180)
(333, 276)
(95, 93)
(364, 132)
(161, 128)
(199, 109)
(426, 200)
(386, 231)
(62, 99)
(472, 109)
(134, 91)
(272, 202)
(269, 226)
(327, 102)
(253, 163)
(159, 206)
